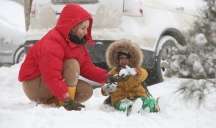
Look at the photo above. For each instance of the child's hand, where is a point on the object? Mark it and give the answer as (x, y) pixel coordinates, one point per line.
(127, 71)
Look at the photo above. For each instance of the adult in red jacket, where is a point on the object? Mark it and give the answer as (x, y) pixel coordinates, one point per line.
(51, 68)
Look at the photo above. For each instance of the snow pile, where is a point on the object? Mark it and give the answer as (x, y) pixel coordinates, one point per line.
(197, 92)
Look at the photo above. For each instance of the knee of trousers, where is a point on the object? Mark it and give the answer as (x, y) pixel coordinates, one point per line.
(36, 90)
(71, 71)
(84, 91)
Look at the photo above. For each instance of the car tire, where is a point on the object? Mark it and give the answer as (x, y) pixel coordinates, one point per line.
(19, 55)
(168, 47)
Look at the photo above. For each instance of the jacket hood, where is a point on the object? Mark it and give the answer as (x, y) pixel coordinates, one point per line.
(72, 15)
(124, 45)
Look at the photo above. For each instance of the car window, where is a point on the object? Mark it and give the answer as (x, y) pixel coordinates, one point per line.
(74, 1)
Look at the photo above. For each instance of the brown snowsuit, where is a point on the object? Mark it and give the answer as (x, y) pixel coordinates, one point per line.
(130, 87)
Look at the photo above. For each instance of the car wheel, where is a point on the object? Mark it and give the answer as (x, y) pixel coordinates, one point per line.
(168, 48)
(19, 55)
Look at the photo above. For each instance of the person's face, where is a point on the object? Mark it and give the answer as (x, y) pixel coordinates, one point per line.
(82, 29)
(123, 60)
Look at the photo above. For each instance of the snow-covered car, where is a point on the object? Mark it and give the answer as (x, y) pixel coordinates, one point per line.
(11, 33)
(155, 24)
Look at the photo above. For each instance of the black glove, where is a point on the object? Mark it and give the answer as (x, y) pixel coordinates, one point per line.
(72, 105)
(112, 79)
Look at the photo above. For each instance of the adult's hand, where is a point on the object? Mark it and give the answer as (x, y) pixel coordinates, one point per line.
(109, 88)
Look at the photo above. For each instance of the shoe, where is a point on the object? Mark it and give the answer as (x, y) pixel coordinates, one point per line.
(157, 107)
(136, 107)
(107, 101)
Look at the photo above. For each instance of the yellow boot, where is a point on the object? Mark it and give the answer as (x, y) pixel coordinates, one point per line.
(71, 92)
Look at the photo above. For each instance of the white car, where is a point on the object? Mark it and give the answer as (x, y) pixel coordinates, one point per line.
(155, 24)
(12, 32)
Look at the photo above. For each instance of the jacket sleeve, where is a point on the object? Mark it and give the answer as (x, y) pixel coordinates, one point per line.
(142, 74)
(92, 72)
(51, 66)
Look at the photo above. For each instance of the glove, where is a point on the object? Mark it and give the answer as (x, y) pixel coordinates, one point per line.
(113, 79)
(127, 71)
(72, 105)
(69, 97)
(132, 71)
(109, 88)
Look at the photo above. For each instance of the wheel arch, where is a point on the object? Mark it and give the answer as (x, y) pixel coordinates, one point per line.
(16, 53)
(156, 71)
(177, 34)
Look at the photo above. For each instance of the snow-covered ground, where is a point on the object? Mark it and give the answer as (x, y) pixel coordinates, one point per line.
(17, 111)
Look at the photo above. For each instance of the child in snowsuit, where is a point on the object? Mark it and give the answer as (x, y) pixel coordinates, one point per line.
(127, 76)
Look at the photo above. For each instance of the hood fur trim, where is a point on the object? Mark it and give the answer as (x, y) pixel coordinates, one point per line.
(124, 45)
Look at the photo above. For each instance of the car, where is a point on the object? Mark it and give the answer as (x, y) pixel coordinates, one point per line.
(154, 24)
(12, 33)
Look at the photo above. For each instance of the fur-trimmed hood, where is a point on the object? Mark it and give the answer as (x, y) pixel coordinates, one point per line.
(132, 48)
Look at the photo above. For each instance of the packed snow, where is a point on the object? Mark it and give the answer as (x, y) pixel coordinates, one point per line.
(16, 110)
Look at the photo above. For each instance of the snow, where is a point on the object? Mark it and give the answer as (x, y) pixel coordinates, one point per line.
(12, 22)
(200, 39)
(17, 111)
(127, 71)
(9, 17)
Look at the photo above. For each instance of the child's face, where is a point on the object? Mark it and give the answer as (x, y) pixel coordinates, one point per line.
(123, 60)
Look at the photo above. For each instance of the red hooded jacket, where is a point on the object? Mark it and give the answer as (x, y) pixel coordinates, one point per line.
(47, 56)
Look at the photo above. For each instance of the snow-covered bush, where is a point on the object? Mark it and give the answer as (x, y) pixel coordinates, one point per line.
(198, 59)
(196, 91)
